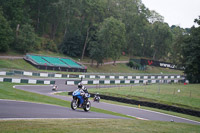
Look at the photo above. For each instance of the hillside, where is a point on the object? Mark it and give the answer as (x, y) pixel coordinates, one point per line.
(21, 64)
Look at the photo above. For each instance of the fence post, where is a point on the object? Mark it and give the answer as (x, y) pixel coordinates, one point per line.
(159, 90)
(174, 91)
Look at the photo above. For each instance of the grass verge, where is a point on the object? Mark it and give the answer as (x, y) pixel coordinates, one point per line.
(186, 96)
(95, 126)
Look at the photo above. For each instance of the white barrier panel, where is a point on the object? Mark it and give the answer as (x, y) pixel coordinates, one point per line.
(178, 76)
(70, 82)
(92, 76)
(145, 77)
(1, 79)
(58, 75)
(96, 82)
(127, 81)
(152, 77)
(121, 77)
(2, 73)
(32, 81)
(47, 82)
(81, 76)
(28, 73)
(130, 77)
(159, 77)
(166, 77)
(107, 82)
(102, 77)
(112, 77)
(175, 81)
(44, 74)
(84, 82)
(137, 81)
(153, 81)
(172, 77)
(16, 80)
(137, 77)
(168, 81)
(145, 81)
(117, 81)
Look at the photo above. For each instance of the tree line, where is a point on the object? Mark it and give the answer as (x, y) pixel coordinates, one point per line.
(98, 29)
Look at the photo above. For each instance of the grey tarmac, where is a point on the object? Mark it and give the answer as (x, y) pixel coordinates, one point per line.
(11, 109)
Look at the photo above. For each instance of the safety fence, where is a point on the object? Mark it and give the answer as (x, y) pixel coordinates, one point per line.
(150, 104)
(95, 76)
(27, 81)
(96, 82)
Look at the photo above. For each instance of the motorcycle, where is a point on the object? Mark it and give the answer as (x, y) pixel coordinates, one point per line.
(96, 99)
(77, 98)
(55, 87)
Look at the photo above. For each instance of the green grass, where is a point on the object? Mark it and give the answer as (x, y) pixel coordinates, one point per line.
(16, 64)
(8, 92)
(95, 126)
(188, 97)
(21, 64)
(119, 68)
(123, 68)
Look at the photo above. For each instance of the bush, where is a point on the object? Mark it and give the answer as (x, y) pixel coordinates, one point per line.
(133, 64)
(49, 45)
(130, 64)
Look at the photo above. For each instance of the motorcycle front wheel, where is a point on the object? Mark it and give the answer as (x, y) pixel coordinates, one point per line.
(74, 104)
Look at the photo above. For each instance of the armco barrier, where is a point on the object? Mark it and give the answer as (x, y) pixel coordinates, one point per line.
(95, 76)
(142, 81)
(150, 104)
(27, 81)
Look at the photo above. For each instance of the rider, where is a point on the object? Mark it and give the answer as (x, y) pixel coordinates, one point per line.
(84, 92)
(96, 96)
(55, 87)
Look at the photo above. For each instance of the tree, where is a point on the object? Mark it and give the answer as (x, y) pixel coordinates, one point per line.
(27, 39)
(14, 12)
(97, 52)
(191, 54)
(178, 35)
(112, 36)
(90, 18)
(71, 46)
(155, 17)
(162, 38)
(5, 33)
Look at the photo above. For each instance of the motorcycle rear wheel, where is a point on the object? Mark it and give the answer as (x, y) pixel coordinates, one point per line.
(87, 106)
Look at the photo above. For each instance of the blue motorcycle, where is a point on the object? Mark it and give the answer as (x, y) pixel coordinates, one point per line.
(80, 101)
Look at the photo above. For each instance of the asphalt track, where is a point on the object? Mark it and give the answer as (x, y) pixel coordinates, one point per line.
(27, 110)
(130, 111)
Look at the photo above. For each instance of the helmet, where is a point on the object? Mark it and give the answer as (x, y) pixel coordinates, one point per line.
(80, 85)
